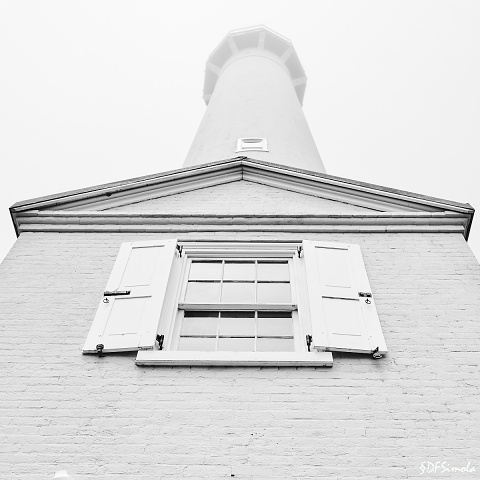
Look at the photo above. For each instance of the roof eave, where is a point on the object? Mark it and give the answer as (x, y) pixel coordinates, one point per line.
(180, 175)
(132, 183)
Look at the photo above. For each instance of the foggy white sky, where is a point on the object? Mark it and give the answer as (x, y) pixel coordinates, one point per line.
(97, 91)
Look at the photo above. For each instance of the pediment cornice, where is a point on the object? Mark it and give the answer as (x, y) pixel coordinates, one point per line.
(379, 199)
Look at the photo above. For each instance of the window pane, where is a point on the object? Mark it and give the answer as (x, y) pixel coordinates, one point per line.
(238, 292)
(273, 271)
(236, 344)
(197, 344)
(205, 271)
(275, 327)
(270, 314)
(274, 293)
(237, 326)
(199, 326)
(239, 271)
(239, 314)
(275, 345)
(202, 292)
(212, 313)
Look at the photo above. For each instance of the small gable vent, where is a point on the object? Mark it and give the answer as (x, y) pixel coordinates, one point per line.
(249, 144)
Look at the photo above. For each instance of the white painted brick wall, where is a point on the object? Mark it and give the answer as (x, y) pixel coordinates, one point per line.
(105, 418)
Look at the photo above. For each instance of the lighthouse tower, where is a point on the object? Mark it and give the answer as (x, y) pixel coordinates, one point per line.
(254, 88)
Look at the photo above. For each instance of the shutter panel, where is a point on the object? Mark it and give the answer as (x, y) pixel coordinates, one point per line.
(130, 322)
(342, 320)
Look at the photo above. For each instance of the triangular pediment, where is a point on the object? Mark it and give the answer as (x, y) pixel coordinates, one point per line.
(271, 180)
(241, 197)
(252, 190)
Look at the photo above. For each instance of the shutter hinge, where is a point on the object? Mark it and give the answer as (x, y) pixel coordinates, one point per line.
(309, 340)
(107, 293)
(160, 339)
(180, 249)
(366, 295)
(376, 355)
(115, 293)
(299, 250)
(100, 348)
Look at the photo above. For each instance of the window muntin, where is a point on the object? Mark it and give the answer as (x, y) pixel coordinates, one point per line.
(241, 331)
(238, 281)
(241, 304)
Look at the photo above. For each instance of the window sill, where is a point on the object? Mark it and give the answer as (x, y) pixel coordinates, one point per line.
(277, 307)
(240, 359)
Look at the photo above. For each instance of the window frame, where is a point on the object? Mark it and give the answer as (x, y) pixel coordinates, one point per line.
(254, 307)
(183, 304)
(295, 332)
(170, 323)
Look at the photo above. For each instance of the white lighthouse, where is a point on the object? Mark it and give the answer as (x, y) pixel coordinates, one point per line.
(245, 316)
(254, 88)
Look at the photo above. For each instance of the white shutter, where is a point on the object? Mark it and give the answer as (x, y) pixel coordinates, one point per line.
(129, 322)
(342, 319)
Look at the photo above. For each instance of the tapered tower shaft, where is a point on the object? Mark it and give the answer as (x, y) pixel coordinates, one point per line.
(254, 87)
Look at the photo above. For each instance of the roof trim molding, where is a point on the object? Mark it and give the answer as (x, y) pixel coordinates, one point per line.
(102, 222)
(104, 197)
(235, 165)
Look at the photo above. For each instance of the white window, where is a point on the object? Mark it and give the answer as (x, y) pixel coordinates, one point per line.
(252, 144)
(237, 304)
